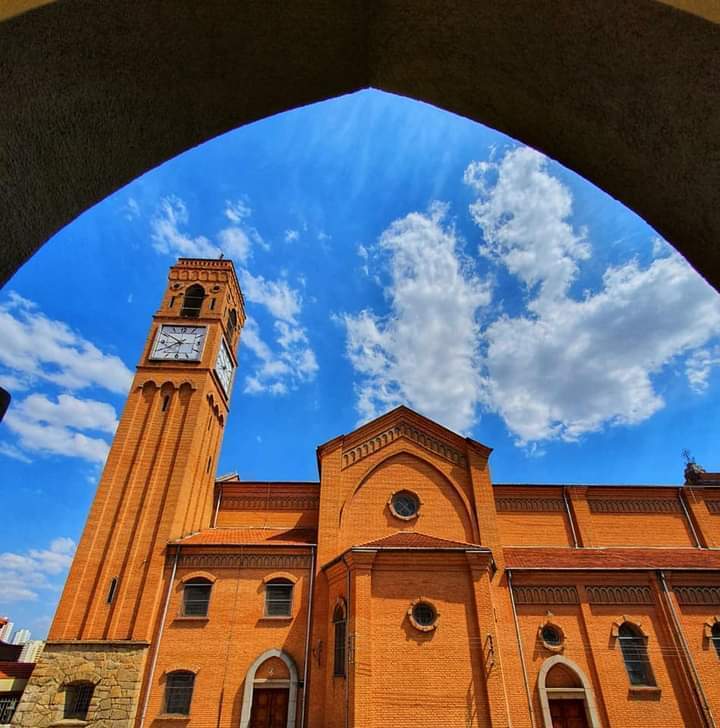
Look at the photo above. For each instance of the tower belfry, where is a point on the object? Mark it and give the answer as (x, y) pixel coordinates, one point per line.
(157, 484)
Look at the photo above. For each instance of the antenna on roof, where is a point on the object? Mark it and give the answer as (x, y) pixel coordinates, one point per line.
(687, 457)
(221, 256)
(693, 471)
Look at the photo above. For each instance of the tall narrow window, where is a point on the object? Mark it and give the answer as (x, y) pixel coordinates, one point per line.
(715, 637)
(77, 700)
(634, 651)
(340, 623)
(196, 598)
(278, 598)
(231, 325)
(111, 590)
(192, 302)
(178, 692)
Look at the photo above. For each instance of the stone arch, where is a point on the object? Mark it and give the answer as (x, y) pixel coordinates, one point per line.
(467, 509)
(250, 685)
(585, 692)
(614, 106)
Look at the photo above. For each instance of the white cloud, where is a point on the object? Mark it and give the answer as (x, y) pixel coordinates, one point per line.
(132, 209)
(235, 243)
(523, 213)
(36, 347)
(291, 236)
(10, 451)
(24, 576)
(424, 352)
(282, 301)
(292, 363)
(567, 366)
(699, 365)
(46, 427)
(167, 236)
(238, 210)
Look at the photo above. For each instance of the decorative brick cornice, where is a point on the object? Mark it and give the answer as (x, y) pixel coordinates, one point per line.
(529, 504)
(400, 430)
(713, 506)
(246, 560)
(697, 595)
(271, 502)
(608, 594)
(633, 505)
(545, 594)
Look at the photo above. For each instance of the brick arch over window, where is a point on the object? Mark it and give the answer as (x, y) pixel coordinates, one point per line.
(250, 685)
(426, 471)
(616, 107)
(586, 693)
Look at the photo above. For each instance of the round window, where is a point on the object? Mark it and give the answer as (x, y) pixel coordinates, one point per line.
(424, 614)
(551, 635)
(404, 504)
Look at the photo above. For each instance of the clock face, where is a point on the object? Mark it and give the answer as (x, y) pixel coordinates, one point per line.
(178, 343)
(224, 367)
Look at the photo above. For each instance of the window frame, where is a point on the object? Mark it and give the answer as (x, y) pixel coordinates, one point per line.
(714, 637)
(269, 587)
(184, 690)
(191, 311)
(633, 647)
(196, 581)
(340, 640)
(78, 698)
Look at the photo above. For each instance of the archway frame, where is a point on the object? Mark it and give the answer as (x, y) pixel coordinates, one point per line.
(249, 689)
(586, 692)
(590, 84)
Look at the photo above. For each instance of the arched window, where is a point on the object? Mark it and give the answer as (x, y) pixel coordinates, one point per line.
(278, 598)
(178, 692)
(77, 700)
(231, 325)
(192, 302)
(634, 652)
(340, 623)
(715, 637)
(196, 598)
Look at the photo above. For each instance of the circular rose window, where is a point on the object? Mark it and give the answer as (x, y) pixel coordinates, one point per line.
(404, 504)
(423, 615)
(552, 637)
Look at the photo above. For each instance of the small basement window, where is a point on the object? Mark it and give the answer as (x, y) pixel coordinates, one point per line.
(77, 700)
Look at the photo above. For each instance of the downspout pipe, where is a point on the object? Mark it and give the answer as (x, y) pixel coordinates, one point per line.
(571, 519)
(156, 652)
(707, 713)
(522, 652)
(311, 590)
(347, 636)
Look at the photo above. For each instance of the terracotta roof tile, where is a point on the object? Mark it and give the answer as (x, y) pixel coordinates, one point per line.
(415, 540)
(250, 536)
(611, 558)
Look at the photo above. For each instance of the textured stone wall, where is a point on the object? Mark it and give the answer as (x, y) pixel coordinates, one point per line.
(114, 668)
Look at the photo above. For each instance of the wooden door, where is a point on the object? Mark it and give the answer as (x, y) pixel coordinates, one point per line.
(568, 714)
(269, 708)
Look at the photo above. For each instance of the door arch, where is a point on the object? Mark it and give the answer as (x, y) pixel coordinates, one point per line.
(578, 689)
(250, 682)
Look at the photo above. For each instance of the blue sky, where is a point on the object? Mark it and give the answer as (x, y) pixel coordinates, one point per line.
(389, 252)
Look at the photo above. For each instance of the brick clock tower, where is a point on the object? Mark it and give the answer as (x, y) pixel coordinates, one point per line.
(157, 486)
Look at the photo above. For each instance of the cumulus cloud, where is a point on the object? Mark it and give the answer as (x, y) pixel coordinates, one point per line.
(48, 427)
(167, 236)
(699, 365)
(282, 301)
(424, 352)
(36, 347)
(566, 367)
(237, 210)
(25, 575)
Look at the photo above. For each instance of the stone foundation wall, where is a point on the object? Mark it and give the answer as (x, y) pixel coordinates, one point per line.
(115, 668)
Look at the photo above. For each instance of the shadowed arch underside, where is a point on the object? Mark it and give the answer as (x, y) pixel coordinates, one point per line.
(623, 92)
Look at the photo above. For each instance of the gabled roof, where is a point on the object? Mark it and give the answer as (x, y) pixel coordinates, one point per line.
(250, 537)
(421, 429)
(639, 559)
(415, 540)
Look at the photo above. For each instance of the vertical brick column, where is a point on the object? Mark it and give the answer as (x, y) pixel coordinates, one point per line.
(490, 648)
(360, 668)
(582, 516)
(705, 524)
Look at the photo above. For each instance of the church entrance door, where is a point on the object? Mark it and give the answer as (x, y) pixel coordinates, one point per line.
(269, 708)
(568, 714)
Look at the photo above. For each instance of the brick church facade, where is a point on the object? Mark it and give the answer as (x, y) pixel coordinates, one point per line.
(402, 587)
